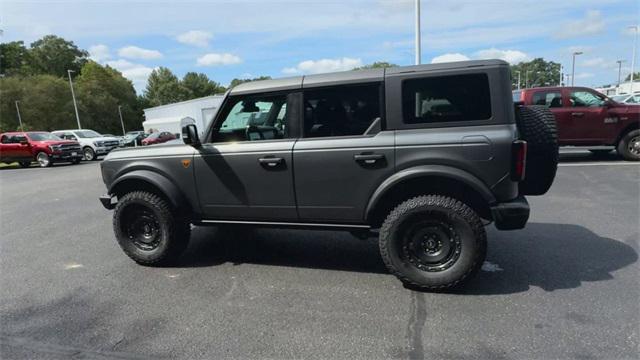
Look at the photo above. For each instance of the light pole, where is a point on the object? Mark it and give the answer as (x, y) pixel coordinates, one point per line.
(518, 71)
(19, 118)
(121, 121)
(619, 73)
(633, 57)
(560, 81)
(73, 95)
(418, 45)
(526, 79)
(573, 65)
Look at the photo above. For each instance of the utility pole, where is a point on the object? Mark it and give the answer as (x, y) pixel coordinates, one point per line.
(121, 121)
(560, 81)
(573, 66)
(518, 79)
(619, 74)
(526, 79)
(418, 44)
(633, 57)
(19, 118)
(73, 95)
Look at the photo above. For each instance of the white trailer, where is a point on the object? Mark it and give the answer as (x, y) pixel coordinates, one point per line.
(169, 117)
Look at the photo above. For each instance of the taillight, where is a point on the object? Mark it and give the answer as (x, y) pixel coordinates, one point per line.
(518, 160)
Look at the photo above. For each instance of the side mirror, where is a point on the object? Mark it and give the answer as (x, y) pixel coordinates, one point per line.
(190, 135)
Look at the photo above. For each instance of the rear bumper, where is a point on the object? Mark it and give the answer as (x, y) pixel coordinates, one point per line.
(511, 215)
(105, 200)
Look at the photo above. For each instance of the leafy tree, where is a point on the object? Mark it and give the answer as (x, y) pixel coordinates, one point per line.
(100, 90)
(636, 77)
(13, 58)
(163, 87)
(376, 65)
(54, 56)
(236, 82)
(536, 72)
(199, 85)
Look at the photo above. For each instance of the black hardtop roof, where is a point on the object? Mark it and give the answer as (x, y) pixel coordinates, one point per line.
(353, 76)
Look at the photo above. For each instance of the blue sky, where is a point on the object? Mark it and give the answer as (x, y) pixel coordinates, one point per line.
(229, 39)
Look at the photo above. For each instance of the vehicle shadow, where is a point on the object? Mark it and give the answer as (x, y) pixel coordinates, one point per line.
(548, 256)
(586, 156)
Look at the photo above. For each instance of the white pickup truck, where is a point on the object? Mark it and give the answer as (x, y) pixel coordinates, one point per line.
(93, 144)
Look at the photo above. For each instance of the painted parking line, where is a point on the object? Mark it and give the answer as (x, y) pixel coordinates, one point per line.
(601, 164)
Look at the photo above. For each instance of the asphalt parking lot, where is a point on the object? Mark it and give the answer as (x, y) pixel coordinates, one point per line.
(565, 287)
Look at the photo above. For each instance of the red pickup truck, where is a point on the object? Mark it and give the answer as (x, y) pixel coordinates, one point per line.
(40, 146)
(587, 118)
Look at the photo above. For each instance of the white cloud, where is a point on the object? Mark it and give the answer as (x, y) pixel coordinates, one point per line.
(591, 24)
(137, 73)
(510, 56)
(323, 66)
(584, 75)
(134, 52)
(213, 59)
(99, 52)
(450, 57)
(195, 37)
(594, 62)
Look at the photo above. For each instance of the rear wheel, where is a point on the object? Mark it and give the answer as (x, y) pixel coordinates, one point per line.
(147, 229)
(89, 154)
(25, 164)
(629, 146)
(43, 159)
(432, 242)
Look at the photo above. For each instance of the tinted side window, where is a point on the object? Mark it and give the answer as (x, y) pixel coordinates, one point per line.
(549, 99)
(6, 139)
(446, 99)
(341, 110)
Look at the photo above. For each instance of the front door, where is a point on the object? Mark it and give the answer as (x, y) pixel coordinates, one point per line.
(586, 114)
(245, 170)
(344, 154)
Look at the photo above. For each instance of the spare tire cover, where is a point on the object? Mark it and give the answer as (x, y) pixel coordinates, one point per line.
(537, 126)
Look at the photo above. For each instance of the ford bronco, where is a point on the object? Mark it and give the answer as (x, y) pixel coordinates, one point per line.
(423, 156)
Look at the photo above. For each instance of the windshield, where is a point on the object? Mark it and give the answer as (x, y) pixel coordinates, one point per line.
(619, 98)
(42, 136)
(87, 134)
(153, 136)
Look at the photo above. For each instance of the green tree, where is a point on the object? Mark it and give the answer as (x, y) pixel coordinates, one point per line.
(14, 58)
(199, 85)
(54, 56)
(100, 90)
(236, 82)
(536, 72)
(636, 77)
(376, 65)
(163, 87)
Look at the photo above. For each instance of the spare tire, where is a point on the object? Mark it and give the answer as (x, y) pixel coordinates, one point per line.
(537, 126)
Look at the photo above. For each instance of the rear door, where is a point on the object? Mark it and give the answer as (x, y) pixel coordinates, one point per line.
(245, 172)
(344, 153)
(8, 148)
(555, 100)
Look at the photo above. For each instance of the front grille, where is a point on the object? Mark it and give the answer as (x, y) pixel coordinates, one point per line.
(70, 147)
(110, 143)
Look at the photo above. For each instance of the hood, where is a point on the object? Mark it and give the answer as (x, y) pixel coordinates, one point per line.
(620, 108)
(55, 142)
(105, 138)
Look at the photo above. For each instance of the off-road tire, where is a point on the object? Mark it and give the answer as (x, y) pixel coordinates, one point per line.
(173, 231)
(466, 227)
(537, 126)
(25, 164)
(624, 144)
(89, 154)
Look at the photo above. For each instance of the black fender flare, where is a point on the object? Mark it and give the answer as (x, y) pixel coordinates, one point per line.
(159, 181)
(426, 171)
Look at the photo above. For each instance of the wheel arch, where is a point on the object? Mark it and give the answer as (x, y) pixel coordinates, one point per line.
(634, 125)
(153, 182)
(429, 179)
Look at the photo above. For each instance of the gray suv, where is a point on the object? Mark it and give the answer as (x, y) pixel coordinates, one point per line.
(424, 157)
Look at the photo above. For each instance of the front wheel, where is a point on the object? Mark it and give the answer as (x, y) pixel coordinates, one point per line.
(147, 229)
(432, 242)
(629, 146)
(89, 154)
(43, 159)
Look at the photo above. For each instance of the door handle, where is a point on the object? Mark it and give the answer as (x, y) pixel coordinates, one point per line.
(578, 114)
(270, 161)
(368, 158)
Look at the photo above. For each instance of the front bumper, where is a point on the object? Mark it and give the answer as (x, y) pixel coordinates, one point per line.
(511, 215)
(106, 201)
(67, 156)
(104, 150)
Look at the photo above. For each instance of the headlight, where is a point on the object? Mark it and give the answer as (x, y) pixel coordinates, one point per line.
(97, 143)
(54, 147)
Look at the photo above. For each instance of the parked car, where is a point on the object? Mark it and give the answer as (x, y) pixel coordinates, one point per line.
(93, 144)
(631, 99)
(134, 138)
(120, 138)
(158, 138)
(423, 156)
(586, 117)
(40, 146)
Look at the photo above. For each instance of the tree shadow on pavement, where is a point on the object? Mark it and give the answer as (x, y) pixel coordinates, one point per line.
(549, 256)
